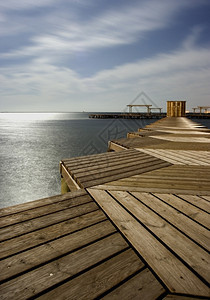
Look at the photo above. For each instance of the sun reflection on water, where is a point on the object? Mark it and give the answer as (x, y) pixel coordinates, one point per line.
(16, 117)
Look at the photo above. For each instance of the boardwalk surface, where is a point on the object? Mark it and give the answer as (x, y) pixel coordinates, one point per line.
(137, 226)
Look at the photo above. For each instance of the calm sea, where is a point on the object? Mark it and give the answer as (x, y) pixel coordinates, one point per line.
(32, 144)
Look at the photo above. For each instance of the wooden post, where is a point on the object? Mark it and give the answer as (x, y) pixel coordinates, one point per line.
(64, 187)
(176, 108)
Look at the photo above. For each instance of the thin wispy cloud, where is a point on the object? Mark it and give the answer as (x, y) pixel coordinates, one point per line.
(106, 29)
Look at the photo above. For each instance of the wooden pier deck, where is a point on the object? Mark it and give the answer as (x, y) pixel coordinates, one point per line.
(136, 225)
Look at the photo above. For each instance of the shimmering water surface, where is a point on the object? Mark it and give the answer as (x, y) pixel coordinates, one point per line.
(32, 144)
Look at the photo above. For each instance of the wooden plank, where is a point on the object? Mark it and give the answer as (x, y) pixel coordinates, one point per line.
(99, 279)
(108, 164)
(110, 156)
(91, 165)
(206, 197)
(191, 211)
(168, 267)
(178, 156)
(199, 155)
(184, 132)
(158, 154)
(40, 203)
(172, 172)
(44, 210)
(188, 167)
(147, 179)
(41, 222)
(96, 156)
(187, 171)
(44, 277)
(182, 139)
(45, 235)
(162, 184)
(113, 186)
(177, 297)
(192, 229)
(150, 176)
(111, 170)
(127, 173)
(184, 247)
(142, 286)
(197, 201)
(191, 160)
(32, 258)
(202, 154)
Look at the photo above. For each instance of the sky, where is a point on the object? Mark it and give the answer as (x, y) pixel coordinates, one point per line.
(99, 55)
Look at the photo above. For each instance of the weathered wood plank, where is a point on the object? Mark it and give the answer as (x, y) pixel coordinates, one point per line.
(44, 210)
(127, 173)
(115, 187)
(188, 168)
(202, 156)
(110, 170)
(107, 157)
(184, 247)
(44, 221)
(44, 277)
(197, 201)
(176, 177)
(178, 157)
(192, 229)
(91, 169)
(45, 235)
(99, 279)
(27, 260)
(169, 268)
(168, 186)
(206, 197)
(198, 157)
(97, 157)
(170, 172)
(142, 286)
(191, 211)
(158, 154)
(40, 203)
(177, 181)
(182, 139)
(177, 297)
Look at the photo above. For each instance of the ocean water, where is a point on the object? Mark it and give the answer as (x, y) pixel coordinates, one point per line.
(32, 144)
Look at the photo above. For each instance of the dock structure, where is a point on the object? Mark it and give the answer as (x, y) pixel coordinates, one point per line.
(135, 224)
(135, 115)
(130, 107)
(202, 109)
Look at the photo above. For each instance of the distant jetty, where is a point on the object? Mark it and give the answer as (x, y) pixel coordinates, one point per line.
(145, 116)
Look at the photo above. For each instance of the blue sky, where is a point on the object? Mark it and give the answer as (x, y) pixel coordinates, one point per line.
(97, 55)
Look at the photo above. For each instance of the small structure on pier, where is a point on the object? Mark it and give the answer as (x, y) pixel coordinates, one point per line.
(201, 109)
(176, 108)
(130, 106)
